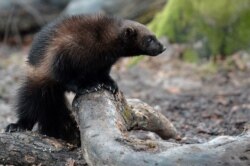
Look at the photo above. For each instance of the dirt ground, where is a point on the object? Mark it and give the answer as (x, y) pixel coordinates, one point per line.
(200, 102)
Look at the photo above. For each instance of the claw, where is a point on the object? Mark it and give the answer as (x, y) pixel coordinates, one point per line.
(13, 128)
(90, 89)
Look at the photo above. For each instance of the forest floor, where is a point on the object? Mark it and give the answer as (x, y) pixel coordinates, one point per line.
(200, 101)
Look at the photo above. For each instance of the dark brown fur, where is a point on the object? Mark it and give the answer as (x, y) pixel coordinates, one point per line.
(75, 54)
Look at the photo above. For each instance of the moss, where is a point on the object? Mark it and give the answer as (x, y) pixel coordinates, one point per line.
(222, 26)
(171, 13)
(127, 115)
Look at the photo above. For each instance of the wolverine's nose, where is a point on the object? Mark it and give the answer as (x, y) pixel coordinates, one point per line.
(158, 50)
(164, 49)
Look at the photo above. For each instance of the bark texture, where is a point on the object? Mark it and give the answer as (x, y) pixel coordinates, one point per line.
(28, 148)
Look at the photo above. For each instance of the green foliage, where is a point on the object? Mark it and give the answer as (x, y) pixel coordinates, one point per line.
(169, 16)
(190, 56)
(222, 27)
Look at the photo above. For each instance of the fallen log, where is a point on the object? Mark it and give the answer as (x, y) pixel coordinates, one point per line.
(111, 134)
(104, 121)
(29, 148)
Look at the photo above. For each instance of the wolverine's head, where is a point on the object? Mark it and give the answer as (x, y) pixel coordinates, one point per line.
(138, 40)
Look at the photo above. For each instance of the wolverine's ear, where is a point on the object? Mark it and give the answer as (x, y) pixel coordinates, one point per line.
(129, 32)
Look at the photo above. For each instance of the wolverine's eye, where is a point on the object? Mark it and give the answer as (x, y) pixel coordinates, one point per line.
(149, 39)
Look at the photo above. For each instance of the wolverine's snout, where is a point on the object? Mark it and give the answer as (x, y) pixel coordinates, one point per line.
(155, 49)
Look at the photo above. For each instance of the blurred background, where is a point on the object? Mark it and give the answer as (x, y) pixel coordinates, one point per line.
(201, 82)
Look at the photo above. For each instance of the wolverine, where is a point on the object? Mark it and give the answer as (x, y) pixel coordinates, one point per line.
(74, 54)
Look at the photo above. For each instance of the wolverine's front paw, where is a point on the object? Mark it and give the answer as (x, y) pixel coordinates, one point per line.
(112, 87)
(89, 89)
(13, 127)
